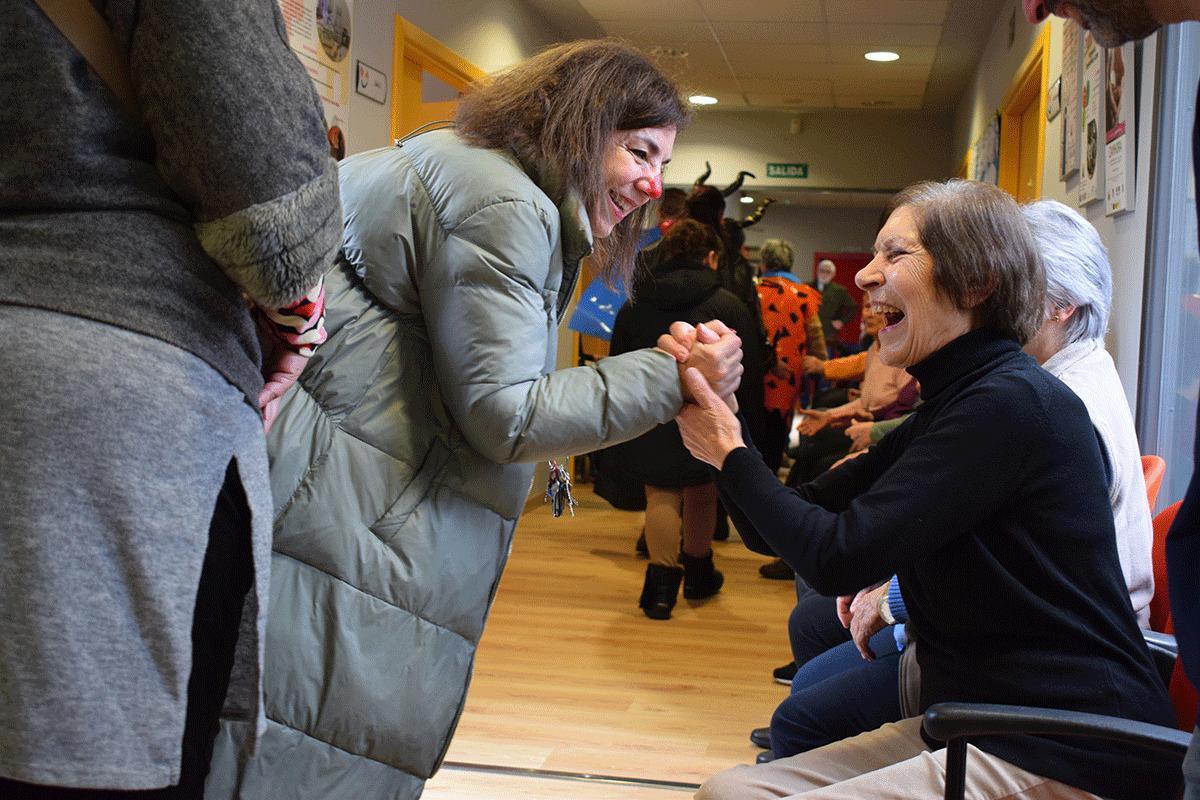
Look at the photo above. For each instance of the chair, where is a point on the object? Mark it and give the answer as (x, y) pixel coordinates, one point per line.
(956, 723)
(1153, 468)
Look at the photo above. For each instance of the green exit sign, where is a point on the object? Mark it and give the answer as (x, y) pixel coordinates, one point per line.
(787, 170)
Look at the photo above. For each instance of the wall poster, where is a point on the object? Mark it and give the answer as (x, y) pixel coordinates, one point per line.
(1071, 104)
(1120, 136)
(986, 164)
(319, 34)
(1091, 151)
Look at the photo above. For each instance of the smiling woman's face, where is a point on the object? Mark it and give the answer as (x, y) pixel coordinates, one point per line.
(899, 280)
(633, 170)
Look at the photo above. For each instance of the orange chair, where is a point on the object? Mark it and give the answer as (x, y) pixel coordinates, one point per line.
(1153, 468)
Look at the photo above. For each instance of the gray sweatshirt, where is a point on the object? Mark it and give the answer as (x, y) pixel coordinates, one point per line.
(159, 225)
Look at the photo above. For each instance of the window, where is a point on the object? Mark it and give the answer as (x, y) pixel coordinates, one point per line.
(1170, 360)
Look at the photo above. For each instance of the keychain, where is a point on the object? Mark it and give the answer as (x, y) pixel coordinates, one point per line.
(558, 490)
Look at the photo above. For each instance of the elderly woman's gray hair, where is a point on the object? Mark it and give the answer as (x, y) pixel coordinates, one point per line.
(776, 255)
(1076, 264)
(984, 257)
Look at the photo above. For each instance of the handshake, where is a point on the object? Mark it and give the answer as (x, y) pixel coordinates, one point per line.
(712, 349)
(709, 357)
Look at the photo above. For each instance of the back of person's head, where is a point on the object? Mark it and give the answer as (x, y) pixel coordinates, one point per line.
(984, 257)
(557, 113)
(672, 204)
(733, 234)
(689, 240)
(1076, 264)
(776, 255)
(706, 204)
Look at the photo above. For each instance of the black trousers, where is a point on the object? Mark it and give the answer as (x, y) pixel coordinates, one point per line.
(225, 578)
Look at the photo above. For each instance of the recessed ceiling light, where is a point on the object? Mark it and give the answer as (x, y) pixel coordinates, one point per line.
(702, 100)
(882, 55)
(747, 199)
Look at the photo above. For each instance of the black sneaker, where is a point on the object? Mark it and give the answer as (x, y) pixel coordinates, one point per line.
(785, 673)
(777, 570)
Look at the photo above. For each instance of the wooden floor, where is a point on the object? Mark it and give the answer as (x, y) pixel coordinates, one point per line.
(571, 677)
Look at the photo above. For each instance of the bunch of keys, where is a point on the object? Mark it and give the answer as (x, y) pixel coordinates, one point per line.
(558, 490)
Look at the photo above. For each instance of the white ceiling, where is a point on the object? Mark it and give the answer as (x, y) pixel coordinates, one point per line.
(799, 55)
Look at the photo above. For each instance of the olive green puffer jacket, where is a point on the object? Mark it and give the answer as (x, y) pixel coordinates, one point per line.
(403, 458)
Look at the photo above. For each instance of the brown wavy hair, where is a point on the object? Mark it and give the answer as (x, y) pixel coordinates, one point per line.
(689, 240)
(984, 256)
(557, 112)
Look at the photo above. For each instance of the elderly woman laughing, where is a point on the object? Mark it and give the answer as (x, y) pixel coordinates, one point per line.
(989, 503)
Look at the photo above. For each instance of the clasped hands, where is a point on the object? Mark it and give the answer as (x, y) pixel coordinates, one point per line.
(710, 370)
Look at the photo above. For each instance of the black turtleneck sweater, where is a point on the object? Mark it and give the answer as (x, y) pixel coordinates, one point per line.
(990, 504)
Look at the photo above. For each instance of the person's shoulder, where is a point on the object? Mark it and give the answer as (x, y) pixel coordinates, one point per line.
(462, 179)
(1022, 393)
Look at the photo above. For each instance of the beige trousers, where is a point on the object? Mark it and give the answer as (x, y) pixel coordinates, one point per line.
(680, 519)
(889, 763)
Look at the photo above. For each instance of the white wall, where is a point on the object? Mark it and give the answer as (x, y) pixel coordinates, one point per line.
(846, 149)
(491, 34)
(1125, 236)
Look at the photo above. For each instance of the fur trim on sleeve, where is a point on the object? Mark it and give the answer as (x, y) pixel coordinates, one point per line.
(277, 250)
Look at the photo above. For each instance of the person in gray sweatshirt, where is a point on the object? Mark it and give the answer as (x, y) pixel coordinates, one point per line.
(134, 243)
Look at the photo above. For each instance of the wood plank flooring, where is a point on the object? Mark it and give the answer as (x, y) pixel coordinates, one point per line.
(572, 677)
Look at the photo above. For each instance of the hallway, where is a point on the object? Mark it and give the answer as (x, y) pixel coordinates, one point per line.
(572, 678)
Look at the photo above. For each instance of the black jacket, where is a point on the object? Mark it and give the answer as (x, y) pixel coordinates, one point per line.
(680, 290)
(990, 503)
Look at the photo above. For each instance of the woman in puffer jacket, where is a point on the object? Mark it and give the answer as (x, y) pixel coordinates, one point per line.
(681, 498)
(404, 457)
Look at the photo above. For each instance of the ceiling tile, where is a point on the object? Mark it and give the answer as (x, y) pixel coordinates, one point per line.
(853, 54)
(764, 10)
(885, 36)
(767, 59)
(896, 71)
(673, 33)
(786, 85)
(928, 12)
(878, 102)
(789, 33)
(791, 101)
(849, 86)
(628, 10)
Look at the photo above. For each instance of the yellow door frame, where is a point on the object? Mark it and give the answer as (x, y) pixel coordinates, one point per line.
(1026, 94)
(414, 53)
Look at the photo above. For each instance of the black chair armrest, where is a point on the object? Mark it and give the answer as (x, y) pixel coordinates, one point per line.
(946, 721)
(955, 723)
(1164, 650)
(1164, 641)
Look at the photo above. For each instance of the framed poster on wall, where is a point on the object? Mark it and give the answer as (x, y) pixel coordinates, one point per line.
(986, 167)
(1120, 135)
(1091, 150)
(1072, 107)
(318, 32)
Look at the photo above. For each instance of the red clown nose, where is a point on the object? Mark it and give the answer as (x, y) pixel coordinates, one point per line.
(652, 187)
